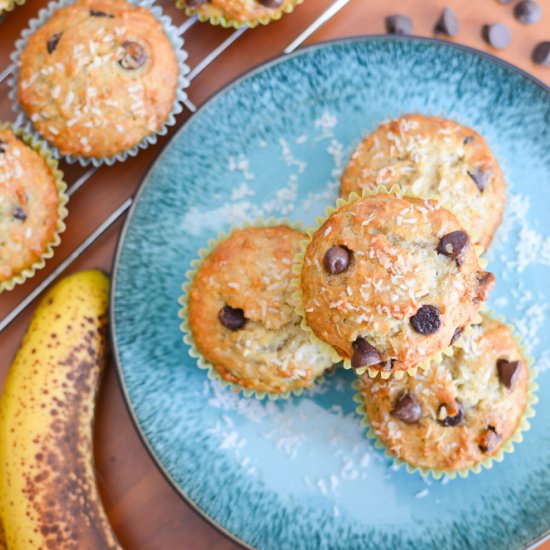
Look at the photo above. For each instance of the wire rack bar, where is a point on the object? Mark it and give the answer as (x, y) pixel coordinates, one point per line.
(123, 208)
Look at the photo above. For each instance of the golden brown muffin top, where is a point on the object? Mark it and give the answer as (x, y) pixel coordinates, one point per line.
(29, 204)
(98, 77)
(434, 158)
(459, 412)
(242, 315)
(241, 11)
(387, 281)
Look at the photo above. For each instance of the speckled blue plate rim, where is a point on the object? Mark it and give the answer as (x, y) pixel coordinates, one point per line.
(536, 541)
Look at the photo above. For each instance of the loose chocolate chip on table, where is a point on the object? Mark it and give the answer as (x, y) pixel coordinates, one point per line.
(454, 245)
(134, 56)
(364, 355)
(271, 3)
(508, 372)
(451, 421)
(457, 334)
(489, 440)
(407, 408)
(232, 318)
(480, 177)
(399, 24)
(496, 35)
(97, 13)
(527, 12)
(468, 139)
(337, 259)
(447, 23)
(427, 320)
(53, 42)
(541, 54)
(19, 213)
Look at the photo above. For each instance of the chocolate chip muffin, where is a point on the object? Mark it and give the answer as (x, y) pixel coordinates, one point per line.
(389, 281)
(435, 158)
(236, 13)
(458, 413)
(242, 317)
(98, 77)
(31, 207)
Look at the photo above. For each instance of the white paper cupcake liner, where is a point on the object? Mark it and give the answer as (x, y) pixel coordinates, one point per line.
(26, 124)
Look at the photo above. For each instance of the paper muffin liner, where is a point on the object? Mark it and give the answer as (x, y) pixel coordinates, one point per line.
(40, 147)
(12, 4)
(225, 22)
(24, 122)
(298, 293)
(508, 446)
(193, 350)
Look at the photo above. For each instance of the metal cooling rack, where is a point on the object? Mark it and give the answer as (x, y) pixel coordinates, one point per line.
(119, 212)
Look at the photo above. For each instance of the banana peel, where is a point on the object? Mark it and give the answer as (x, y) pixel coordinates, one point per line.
(48, 492)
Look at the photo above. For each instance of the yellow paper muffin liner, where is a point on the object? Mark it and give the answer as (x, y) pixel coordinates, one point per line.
(12, 4)
(298, 294)
(222, 20)
(193, 350)
(507, 447)
(40, 147)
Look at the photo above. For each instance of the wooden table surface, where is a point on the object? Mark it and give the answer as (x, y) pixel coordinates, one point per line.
(145, 511)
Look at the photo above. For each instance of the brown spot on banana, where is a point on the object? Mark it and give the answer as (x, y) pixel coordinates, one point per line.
(47, 484)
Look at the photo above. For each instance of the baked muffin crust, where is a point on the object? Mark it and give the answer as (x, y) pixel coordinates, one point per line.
(436, 158)
(459, 412)
(407, 287)
(242, 315)
(98, 77)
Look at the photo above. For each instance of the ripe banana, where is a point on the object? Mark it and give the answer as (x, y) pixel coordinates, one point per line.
(48, 493)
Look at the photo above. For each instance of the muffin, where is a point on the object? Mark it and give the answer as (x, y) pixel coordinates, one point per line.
(242, 317)
(436, 158)
(9, 5)
(98, 78)
(235, 13)
(32, 207)
(457, 414)
(389, 281)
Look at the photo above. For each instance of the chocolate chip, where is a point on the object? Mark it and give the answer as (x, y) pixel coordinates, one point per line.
(407, 408)
(527, 12)
(496, 35)
(271, 3)
(489, 440)
(97, 13)
(134, 56)
(508, 372)
(364, 355)
(3, 145)
(53, 42)
(399, 24)
(468, 139)
(232, 318)
(337, 259)
(196, 3)
(454, 245)
(541, 54)
(487, 282)
(457, 334)
(19, 213)
(451, 421)
(447, 23)
(427, 320)
(480, 177)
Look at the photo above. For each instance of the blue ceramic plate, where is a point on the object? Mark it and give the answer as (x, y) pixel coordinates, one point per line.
(300, 474)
